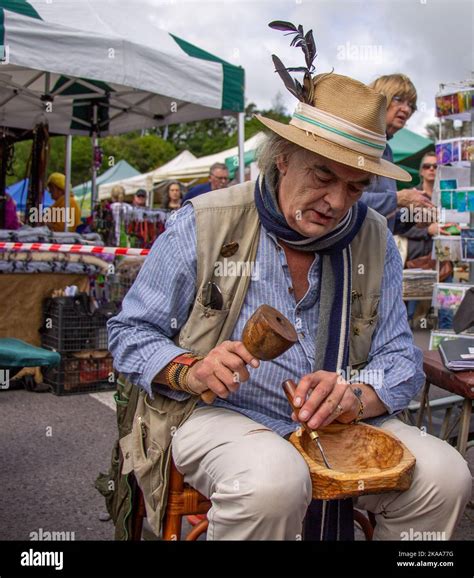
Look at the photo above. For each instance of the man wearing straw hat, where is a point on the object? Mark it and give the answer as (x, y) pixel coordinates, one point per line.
(331, 266)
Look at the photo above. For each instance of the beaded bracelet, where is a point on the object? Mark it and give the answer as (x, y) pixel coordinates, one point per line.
(177, 373)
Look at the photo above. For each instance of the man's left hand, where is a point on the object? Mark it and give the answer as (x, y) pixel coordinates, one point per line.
(328, 397)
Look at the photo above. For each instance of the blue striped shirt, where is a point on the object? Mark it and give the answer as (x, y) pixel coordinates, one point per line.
(158, 305)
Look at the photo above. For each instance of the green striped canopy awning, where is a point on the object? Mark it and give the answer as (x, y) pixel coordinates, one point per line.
(63, 59)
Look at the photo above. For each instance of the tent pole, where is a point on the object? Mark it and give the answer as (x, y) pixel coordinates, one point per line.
(150, 197)
(241, 137)
(94, 167)
(3, 179)
(67, 192)
(471, 221)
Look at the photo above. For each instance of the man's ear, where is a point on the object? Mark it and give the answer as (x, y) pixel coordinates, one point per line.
(281, 162)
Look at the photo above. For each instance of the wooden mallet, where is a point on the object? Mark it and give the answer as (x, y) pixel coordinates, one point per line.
(266, 335)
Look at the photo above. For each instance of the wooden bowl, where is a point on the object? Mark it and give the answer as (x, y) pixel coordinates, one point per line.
(364, 460)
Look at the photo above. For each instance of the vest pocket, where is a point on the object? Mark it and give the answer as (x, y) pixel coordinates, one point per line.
(362, 331)
(154, 425)
(364, 319)
(148, 458)
(203, 327)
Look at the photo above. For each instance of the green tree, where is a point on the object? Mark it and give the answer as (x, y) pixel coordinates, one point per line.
(144, 153)
(432, 130)
(211, 136)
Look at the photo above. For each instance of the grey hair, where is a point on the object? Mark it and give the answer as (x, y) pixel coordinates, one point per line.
(268, 152)
(274, 146)
(222, 166)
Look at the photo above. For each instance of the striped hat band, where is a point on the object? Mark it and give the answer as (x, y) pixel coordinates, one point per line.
(338, 130)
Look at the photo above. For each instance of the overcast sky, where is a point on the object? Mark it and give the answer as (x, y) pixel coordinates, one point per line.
(429, 40)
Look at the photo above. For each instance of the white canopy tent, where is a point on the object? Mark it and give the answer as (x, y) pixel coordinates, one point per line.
(105, 67)
(64, 52)
(146, 180)
(182, 170)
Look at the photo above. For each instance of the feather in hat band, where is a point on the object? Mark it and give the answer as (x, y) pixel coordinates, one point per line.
(338, 130)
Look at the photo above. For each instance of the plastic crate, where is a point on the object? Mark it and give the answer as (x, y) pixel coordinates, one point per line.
(68, 325)
(119, 283)
(81, 375)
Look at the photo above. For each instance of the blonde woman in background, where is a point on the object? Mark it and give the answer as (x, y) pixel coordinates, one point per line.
(119, 209)
(382, 194)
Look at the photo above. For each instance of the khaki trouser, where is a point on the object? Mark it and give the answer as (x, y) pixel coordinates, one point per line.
(260, 488)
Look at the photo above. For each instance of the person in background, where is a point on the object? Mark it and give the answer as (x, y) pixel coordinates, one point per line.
(218, 179)
(173, 196)
(12, 222)
(382, 194)
(139, 199)
(56, 186)
(420, 237)
(119, 208)
(117, 194)
(236, 181)
(428, 168)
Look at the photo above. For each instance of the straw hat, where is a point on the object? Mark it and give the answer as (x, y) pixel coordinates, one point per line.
(337, 117)
(345, 123)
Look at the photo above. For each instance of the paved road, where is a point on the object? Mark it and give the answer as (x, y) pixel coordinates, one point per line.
(52, 449)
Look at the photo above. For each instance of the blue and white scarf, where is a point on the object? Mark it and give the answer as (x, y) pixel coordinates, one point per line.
(332, 339)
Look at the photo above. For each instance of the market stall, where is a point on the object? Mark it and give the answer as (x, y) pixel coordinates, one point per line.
(185, 168)
(121, 73)
(454, 198)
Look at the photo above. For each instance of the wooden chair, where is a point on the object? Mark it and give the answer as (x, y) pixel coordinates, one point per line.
(460, 383)
(183, 500)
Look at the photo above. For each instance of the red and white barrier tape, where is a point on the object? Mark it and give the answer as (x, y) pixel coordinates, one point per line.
(88, 249)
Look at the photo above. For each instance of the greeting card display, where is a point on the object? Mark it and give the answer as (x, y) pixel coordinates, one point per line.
(446, 248)
(450, 178)
(454, 150)
(448, 184)
(470, 201)
(456, 103)
(467, 244)
(447, 151)
(448, 295)
(467, 149)
(460, 200)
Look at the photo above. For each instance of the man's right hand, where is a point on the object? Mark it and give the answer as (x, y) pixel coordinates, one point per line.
(222, 370)
(408, 197)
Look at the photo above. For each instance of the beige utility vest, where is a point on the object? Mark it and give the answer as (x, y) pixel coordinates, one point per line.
(222, 217)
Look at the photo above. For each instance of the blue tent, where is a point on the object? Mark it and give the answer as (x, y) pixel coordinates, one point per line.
(122, 170)
(19, 193)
